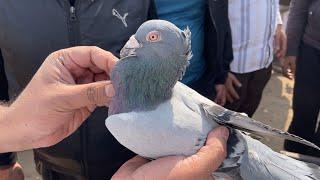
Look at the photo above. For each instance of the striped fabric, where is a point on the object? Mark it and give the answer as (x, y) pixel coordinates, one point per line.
(253, 24)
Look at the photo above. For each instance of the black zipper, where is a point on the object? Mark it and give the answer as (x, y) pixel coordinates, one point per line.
(74, 40)
(73, 16)
(73, 25)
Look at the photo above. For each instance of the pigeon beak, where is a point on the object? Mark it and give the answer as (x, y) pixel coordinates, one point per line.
(132, 43)
(130, 47)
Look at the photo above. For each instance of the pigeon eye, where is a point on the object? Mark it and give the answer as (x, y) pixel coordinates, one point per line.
(153, 36)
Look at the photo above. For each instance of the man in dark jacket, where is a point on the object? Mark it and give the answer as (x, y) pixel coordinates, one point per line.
(217, 50)
(303, 61)
(30, 31)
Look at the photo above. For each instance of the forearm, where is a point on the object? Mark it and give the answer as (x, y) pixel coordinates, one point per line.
(279, 18)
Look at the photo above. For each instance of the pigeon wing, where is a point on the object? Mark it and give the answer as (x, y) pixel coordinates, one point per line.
(244, 123)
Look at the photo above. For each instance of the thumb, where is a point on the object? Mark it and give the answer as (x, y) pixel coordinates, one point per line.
(214, 152)
(97, 93)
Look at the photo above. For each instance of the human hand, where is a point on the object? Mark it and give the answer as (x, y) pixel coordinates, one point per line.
(67, 88)
(230, 84)
(221, 94)
(280, 45)
(289, 67)
(199, 166)
(13, 172)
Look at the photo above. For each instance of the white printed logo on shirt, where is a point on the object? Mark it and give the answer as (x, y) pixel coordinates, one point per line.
(122, 18)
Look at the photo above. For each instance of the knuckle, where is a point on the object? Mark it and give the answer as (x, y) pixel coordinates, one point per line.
(95, 48)
(96, 94)
(220, 148)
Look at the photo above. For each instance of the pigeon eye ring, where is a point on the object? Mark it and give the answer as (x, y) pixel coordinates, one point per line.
(153, 36)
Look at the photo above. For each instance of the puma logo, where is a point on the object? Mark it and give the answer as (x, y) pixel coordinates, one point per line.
(122, 18)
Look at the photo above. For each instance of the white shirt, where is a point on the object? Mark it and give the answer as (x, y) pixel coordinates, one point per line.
(253, 24)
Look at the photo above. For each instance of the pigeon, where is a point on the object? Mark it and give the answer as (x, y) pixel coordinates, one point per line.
(154, 115)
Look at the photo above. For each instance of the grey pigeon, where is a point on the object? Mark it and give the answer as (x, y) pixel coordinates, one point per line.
(154, 115)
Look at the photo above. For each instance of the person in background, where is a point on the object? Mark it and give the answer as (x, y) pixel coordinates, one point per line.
(211, 42)
(303, 61)
(29, 31)
(257, 34)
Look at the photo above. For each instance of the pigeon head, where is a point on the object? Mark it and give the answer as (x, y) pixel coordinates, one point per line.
(161, 44)
(151, 63)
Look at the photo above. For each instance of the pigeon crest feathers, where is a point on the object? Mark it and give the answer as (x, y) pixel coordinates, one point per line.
(188, 54)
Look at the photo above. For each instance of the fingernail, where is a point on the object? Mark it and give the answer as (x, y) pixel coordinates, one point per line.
(109, 91)
(224, 133)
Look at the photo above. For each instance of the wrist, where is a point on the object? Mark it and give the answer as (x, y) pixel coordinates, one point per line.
(12, 137)
(5, 128)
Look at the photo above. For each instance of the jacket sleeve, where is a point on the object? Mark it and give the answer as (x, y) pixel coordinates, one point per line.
(227, 56)
(297, 21)
(6, 159)
(3, 82)
(152, 11)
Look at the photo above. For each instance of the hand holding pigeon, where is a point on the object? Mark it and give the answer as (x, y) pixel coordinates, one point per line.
(198, 166)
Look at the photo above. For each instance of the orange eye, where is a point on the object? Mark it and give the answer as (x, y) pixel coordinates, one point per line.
(153, 36)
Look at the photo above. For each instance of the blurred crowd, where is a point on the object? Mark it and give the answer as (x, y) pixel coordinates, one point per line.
(234, 43)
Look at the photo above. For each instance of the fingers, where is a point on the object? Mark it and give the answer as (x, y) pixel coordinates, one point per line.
(207, 160)
(221, 98)
(282, 46)
(289, 67)
(79, 59)
(211, 156)
(231, 83)
(220, 94)
(235, 81)
(286, 69)
(233, 93)
(280, 42)
(86, 95)
(229, 98)
(287, 72)
(129, 168)
(198, 166)
(277, 42)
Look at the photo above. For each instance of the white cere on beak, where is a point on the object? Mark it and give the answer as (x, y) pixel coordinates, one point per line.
(130, 47)
(132, 43)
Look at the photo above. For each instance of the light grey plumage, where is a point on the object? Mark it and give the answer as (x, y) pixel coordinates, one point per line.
(154, 115)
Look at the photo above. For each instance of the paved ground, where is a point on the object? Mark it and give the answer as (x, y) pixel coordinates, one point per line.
(274, 110)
